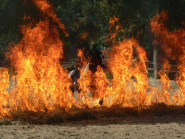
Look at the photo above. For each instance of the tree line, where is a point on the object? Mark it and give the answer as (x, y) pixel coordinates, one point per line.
(92, 16)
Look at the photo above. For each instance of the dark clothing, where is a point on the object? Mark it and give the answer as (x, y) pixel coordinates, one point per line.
(97, 59)
(93, 57)
(84, 46)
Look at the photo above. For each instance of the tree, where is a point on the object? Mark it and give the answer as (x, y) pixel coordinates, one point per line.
(11, 16)
(92, 16)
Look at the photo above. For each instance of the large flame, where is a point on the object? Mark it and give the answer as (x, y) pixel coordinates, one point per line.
(39, 83)
(46, 8)
(127, 64)
(129, 84)
(92, 86)
(173, 45)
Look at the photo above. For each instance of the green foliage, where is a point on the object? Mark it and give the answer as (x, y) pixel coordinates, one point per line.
(86, 16)
(11, 16)
(92, 17)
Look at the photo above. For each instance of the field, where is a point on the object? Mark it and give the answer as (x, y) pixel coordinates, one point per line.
(130, 127)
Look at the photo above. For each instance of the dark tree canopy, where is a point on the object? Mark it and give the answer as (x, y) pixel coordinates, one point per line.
(92, 17)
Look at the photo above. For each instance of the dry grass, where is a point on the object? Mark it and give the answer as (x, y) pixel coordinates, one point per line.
(76, 114)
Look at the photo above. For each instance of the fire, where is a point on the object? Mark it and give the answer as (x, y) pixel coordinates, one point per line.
(114, 28)
(164, 95)
(92, 86)
(4, 83)
(173, 45)
(46, 8)
(127, 64)
(40, 83)
(85, 78)
(129, 84)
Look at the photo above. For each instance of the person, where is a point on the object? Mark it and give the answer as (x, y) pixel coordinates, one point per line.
(94, 59)
(97, 59)
(81, 44)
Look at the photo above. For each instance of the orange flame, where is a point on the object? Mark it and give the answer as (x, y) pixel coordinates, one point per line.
(45, 7)
(173, 45)
(130, 74)
(114, 28)
(4, 83)
(40, 83)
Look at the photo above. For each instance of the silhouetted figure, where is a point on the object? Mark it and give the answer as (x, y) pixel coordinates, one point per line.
(97, 59)
(81, 44)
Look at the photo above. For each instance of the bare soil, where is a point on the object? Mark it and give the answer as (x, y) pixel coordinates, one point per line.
(131, 127)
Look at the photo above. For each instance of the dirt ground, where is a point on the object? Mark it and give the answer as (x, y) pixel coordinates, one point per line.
(133, 127)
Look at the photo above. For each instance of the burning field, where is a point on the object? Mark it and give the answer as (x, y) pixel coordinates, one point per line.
(37, 88)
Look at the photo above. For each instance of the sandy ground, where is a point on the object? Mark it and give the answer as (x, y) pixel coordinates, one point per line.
(133, 127)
